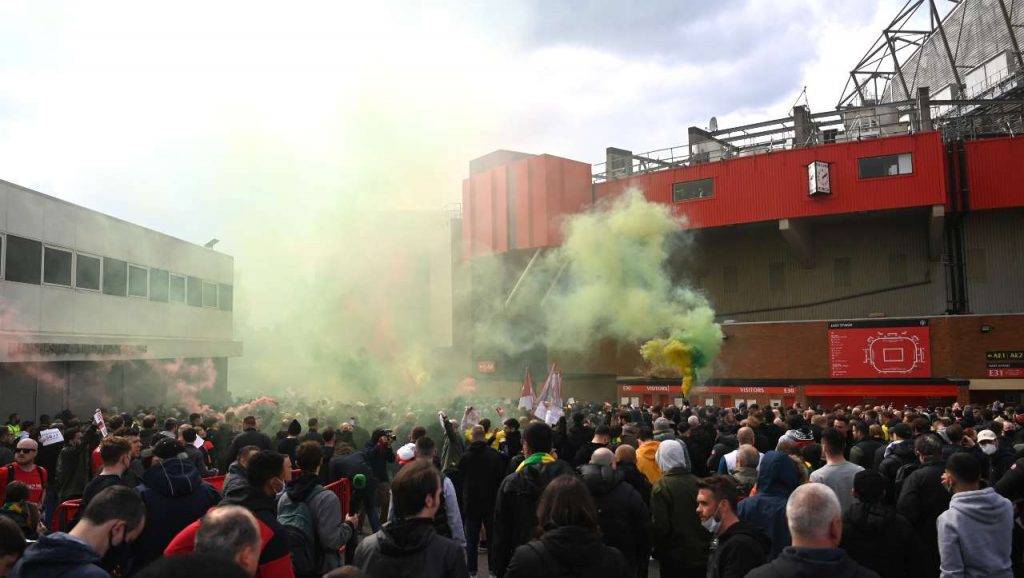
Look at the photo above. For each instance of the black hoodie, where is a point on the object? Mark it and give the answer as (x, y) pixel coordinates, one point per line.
(621, 512)
(812, 563)
(568, 551)
(410, 548)
(881, 539)
(56, 556)
(740, 549)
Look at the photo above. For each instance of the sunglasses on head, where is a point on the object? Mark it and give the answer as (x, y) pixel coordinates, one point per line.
(24, 450)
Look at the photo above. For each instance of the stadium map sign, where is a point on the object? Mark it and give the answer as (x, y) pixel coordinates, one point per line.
(883, 348)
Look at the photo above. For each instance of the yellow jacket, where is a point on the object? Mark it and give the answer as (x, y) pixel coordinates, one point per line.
(645, 461)
(499, 436)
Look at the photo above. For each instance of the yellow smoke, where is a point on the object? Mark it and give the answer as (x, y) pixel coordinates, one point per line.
(674, 355)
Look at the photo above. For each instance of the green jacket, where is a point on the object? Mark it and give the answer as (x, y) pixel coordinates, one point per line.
(676, 532)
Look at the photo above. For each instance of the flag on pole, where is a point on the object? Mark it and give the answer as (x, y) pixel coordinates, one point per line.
(555, 408)
(544, 399)
(526, 395)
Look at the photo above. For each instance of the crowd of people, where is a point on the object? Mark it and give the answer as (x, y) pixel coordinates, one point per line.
(607, 490)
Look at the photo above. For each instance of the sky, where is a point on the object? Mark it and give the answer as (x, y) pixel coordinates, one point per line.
(186, 117)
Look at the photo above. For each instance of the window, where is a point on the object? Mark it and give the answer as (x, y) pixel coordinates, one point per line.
(24, 260)
(158, 285)
(730, 279)
(777, 276)
(195, 291)
(87, 272)
(225, 297)
(56, 266)
(897, 269)
(885, 166)
(841, 275)
(690, 190)
(138, 281)
(176, 292)
(115, 277)
(209, 294)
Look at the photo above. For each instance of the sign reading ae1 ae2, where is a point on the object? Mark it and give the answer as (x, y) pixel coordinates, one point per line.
(879, 348)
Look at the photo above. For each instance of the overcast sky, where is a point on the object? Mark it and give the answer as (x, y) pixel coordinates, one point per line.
(184, 116)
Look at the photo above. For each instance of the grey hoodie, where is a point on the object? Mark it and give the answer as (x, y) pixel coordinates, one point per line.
(974, 535)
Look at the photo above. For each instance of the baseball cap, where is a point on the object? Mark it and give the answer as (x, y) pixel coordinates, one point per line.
(986, 435)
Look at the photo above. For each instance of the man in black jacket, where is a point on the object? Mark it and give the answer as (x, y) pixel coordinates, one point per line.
(621, 513)
(625, 463)
(515, 510)
(875, 534)
(923, 498)
(893, 457)
(816, 525)
(250, 436)
(482, 469)
(740, 546)
(602, 437)
(865, 446)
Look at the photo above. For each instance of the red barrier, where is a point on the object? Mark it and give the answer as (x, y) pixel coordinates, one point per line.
(64, 514)
(343, 489)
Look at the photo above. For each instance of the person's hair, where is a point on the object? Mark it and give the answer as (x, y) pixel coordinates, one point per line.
(345, 572)
(187, 433)
(537, 436)
(566, 502)
(921, 425)
(312, 423)
(113, 448)
(794, 422)
(12, 540)
(841, 418)
(263, 466)
(410, 488)
(955, 433)
(191, 565)
(249, 421)
(486, 423)
(417, 432)
(328, 435)
(745, 435)
(116, 503)
(294, 427)
(747, 456)
(425, 446)
(928, 446)
(964, 467)
(149, 421)
(870, 486)
(810, 510)
(875, 430)
(227, 529)
(308, 456)
(15, 492)
(169, 423)
(194, 416)
(246, 452)
(721, 488)
(623, 455)
(476, 433)
(603, 430)
(645, 433)
(833, 442)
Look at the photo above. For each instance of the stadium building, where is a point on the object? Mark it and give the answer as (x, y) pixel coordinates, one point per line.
(870, 253)
(99, 312)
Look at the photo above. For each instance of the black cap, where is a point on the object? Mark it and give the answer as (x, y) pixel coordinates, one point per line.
(167, 448)
(903, 430)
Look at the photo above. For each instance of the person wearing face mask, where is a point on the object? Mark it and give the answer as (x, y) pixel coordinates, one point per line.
(114, 517)
(737, 547)
(996, 459)
(115, 452)
(175, 496)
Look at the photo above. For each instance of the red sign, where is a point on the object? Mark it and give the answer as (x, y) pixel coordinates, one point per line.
(485, 366)
(743, 389)
(879, 349)
(995, 371)
(650, 389)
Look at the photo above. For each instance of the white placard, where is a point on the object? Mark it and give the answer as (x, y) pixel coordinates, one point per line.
(199, 442)
(48, 437)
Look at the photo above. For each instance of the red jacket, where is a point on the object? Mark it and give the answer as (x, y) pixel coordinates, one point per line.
(279, 567)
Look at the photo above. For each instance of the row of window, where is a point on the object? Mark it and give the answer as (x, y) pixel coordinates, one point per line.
(867, 168)
(842, 274)
(30, 261)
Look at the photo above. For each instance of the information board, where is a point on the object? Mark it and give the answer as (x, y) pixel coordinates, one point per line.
(882, 348)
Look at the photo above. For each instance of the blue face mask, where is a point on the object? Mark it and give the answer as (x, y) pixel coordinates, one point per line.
(712, 523)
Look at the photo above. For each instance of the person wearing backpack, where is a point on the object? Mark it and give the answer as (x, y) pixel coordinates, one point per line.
(24, 469)
(19, 510)
(311, 517)
(890, 459)
(923, 499)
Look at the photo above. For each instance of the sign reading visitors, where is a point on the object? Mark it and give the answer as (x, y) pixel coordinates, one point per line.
(1004, 364)
(48, 437)
(879, 348)
(98, 418)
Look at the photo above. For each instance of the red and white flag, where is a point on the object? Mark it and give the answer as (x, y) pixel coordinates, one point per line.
(526, 395)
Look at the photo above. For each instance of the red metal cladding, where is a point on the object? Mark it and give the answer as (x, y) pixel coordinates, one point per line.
(542, 191)
(774, 186)
(995, 172)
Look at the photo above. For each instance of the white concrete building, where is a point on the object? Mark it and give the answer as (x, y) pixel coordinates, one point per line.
(96, 311)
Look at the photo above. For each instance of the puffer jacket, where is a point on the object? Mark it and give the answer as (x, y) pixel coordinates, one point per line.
(58, 556)
(515, 510)
(974, 535)
(621, 512)
(175, 495)
(881, 539)
(777, 477)
(678, 538)
(410, 548)
(568, 552)
(235, 482)
(812, 563)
